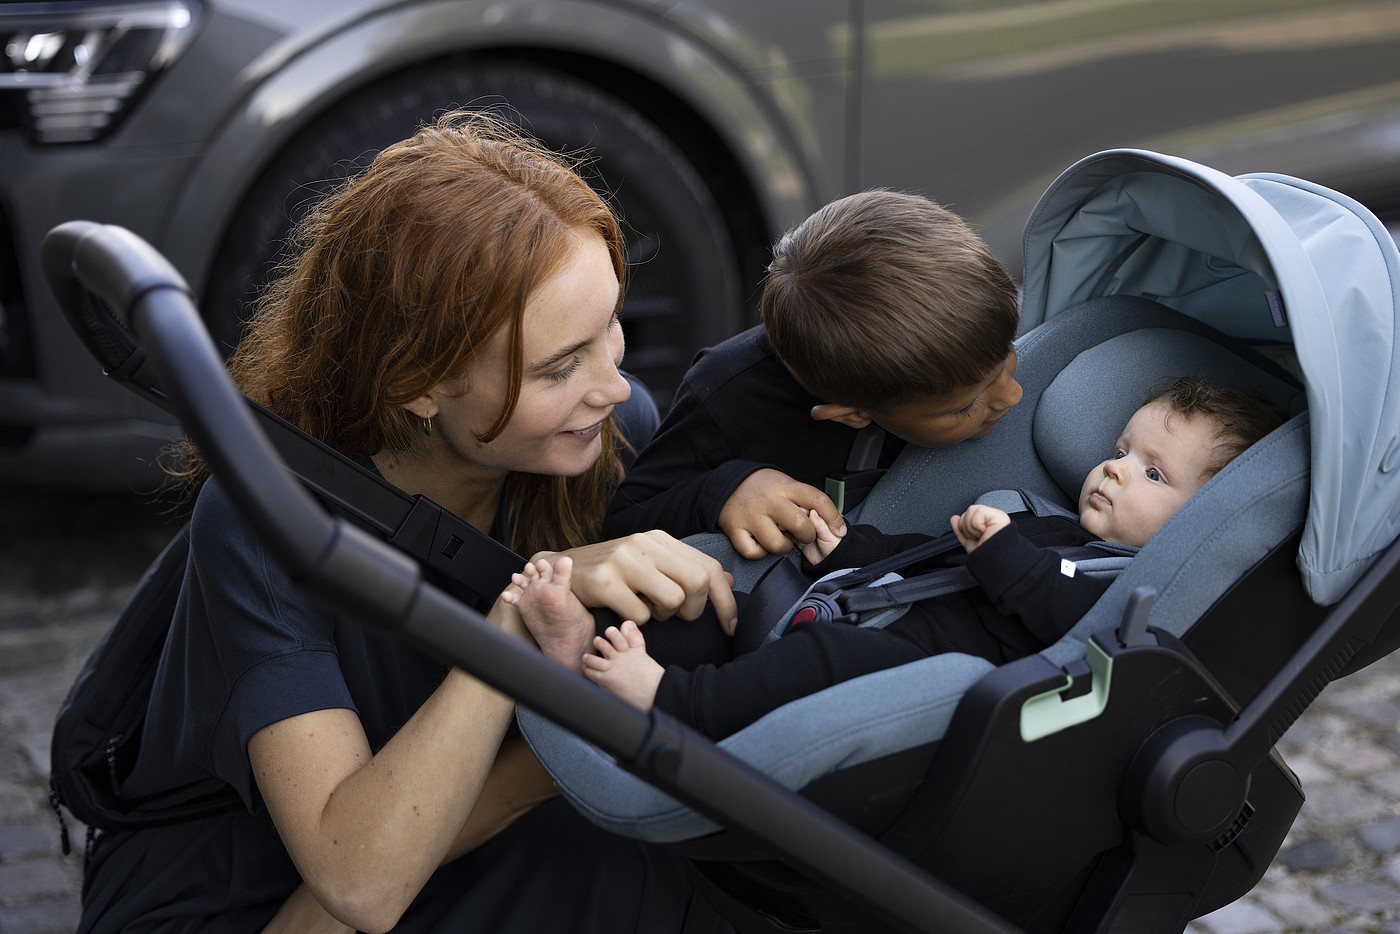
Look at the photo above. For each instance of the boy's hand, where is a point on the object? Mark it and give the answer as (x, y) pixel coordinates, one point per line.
(826, 541)
(769, 511)
(978, 524)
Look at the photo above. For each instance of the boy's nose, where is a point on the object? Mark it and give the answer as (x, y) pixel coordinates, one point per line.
(1008, 393)
(1005, 391)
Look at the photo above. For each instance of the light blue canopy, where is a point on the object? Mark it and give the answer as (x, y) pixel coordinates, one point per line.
(1266, 258)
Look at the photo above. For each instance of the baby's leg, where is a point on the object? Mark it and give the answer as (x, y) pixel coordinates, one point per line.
(559, 622)
(623, 665)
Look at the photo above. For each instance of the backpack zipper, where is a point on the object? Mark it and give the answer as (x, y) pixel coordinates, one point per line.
(111, 751)
(55, 802)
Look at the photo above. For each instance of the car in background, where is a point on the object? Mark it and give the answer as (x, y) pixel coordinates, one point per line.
(206, 126)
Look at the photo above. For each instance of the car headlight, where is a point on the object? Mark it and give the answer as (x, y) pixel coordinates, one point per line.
(70, 70)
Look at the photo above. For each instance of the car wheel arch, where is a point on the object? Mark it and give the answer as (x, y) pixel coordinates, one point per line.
(731, 116)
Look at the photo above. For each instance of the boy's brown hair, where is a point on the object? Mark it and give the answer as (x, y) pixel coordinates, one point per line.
(882, 297)
(1242, 417)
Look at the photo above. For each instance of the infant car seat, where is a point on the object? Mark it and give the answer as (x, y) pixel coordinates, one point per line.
(1124, 778)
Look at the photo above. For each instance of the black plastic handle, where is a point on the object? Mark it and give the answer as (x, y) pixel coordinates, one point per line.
(150, 300)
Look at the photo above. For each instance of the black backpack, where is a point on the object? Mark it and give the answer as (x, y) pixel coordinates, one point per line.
(97, 732)
(98, 729)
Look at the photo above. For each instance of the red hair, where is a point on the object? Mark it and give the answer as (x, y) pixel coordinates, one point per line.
(399, 279)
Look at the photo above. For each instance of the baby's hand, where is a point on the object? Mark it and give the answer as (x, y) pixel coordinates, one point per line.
(826, 540)
(978, 524)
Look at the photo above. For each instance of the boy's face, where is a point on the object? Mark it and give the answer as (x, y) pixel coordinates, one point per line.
(947, 418)
(1158, 462)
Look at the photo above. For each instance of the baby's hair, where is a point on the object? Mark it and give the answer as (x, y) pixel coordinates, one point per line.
(1242, 417)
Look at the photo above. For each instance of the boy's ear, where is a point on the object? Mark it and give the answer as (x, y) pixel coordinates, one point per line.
(842, 414)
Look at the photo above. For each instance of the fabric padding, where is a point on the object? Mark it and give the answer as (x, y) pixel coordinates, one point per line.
(1083, 410)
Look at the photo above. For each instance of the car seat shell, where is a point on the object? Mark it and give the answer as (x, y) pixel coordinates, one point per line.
(1140, 268)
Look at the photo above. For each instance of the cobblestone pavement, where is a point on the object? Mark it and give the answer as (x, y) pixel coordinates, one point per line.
(66, 563)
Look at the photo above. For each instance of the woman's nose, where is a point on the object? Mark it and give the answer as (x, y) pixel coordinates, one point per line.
(612, 389)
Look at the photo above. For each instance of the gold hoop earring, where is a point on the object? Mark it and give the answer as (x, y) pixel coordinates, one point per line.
(428, 426)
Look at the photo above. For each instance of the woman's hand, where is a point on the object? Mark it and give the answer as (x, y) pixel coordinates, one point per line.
(650, 575)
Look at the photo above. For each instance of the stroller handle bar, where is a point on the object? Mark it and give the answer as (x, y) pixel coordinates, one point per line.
(379, 586)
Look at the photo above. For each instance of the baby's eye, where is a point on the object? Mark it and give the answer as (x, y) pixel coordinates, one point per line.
(1155, 475)
(1119, 454)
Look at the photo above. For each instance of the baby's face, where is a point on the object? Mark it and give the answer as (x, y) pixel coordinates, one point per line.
(1157, 464)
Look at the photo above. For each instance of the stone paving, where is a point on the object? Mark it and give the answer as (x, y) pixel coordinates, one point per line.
(66, 563)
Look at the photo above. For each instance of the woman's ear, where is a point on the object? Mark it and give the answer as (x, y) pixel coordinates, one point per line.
(425, 406)
(842, 414)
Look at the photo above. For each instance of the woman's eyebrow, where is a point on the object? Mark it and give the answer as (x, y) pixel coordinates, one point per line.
(572, 349)
(559, 355)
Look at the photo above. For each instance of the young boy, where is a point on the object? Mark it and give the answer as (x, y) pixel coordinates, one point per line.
(881, 311)
(1026, 599)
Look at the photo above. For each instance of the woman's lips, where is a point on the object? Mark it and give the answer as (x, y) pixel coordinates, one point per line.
(588, 433)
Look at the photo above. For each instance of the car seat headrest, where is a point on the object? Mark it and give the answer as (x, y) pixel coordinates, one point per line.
(1084, 408)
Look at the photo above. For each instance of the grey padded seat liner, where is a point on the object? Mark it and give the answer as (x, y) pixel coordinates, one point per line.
(1083, 373)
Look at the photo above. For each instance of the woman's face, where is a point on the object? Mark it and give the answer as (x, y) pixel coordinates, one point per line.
(572, 345)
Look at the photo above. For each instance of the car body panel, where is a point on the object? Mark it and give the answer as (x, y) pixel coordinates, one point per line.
(305, 84)
(977, 103)
(1239, 85)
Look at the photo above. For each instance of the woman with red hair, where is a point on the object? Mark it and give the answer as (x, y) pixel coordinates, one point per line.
(450, 317)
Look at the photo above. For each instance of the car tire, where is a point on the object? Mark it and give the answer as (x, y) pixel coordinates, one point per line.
(683, 290)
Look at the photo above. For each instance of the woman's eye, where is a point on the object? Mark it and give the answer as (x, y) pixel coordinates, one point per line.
(1154, 475)
(558, 376)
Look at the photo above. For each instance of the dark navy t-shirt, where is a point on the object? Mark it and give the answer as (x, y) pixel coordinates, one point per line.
(246, 650)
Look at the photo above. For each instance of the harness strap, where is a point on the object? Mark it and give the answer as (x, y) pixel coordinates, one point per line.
(849, 597)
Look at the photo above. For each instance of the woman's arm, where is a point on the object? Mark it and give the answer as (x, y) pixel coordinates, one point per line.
(301, 913)
(516, 784)
(650, 575)
(366, 830)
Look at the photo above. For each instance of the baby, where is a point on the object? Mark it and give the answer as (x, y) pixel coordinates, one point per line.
(1026, 598)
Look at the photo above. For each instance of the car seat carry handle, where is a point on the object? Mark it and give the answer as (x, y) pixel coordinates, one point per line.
(379, 586)
(847, 487)
(121, 269)
(1191, 777)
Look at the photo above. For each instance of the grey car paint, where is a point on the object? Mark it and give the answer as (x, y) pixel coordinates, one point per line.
(978, 104)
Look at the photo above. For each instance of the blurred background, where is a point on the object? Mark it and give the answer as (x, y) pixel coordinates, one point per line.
(207, 126)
